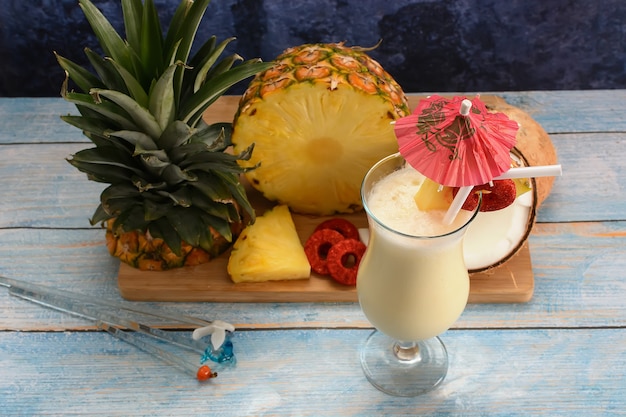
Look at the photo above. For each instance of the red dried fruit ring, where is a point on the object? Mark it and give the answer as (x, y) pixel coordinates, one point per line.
(343, 226)
(343, 260)
(317, 247)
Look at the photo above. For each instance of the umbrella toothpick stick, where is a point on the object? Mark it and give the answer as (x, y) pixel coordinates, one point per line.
(466, 105)
(521, 172)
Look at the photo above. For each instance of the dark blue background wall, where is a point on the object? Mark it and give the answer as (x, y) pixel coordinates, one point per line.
(428, 45)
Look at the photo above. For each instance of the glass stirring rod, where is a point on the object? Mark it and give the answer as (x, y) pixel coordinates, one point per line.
(100, 313)
(202, 373)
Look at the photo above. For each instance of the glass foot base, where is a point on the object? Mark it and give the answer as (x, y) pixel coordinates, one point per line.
(404, 372)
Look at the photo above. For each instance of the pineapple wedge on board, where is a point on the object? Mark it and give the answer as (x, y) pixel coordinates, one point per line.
(269, 250)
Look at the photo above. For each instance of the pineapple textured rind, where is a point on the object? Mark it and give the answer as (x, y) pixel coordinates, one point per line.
(269, 250)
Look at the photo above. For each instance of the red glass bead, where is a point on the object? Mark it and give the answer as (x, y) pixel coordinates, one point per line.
(204, 373)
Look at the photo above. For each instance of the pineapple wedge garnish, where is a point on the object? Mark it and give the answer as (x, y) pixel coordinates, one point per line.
(432, 196)
(522, 186)
(269, 250)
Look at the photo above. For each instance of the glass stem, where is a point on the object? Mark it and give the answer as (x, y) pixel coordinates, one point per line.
(407, 351)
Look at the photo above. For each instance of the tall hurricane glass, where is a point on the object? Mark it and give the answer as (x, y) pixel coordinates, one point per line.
(412, 283)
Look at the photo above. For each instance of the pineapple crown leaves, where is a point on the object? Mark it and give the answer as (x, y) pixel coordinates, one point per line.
(142, 108)
(154, 71)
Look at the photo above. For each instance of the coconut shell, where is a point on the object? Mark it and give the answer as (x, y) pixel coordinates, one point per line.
(533, 143)
(534, 147)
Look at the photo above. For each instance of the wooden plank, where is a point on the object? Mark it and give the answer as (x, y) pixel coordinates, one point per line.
(586, 111)
(315, 372)
(578, 269)
(592, 185)
(40, 189)
(36, 120)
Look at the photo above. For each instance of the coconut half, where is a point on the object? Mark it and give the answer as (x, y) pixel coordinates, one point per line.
(495, 237)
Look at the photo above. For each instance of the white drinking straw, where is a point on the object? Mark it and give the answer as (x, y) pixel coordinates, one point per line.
(532, 172)
(521, 172)
(457, 203)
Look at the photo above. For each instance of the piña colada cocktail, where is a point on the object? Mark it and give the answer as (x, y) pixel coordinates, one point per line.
(412, 282)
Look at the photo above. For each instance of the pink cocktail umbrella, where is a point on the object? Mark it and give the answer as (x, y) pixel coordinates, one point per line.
(455, 141)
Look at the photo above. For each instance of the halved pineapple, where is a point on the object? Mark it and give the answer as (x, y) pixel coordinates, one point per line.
(269, 250)
(319, 119)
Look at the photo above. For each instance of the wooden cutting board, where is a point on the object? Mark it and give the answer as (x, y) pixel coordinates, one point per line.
(509, 283)
(512, 282)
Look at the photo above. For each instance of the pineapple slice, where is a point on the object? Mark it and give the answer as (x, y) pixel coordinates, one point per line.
(522, 186)
(431, 197)
(269, 250)
(318, 119)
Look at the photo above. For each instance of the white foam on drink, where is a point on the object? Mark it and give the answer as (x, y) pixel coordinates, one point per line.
(392, 201)
(490, 237)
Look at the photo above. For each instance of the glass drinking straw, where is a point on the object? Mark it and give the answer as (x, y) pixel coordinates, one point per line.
(113, 317)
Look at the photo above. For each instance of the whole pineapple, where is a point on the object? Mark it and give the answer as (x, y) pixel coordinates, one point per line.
(174, 197)
(319, 119)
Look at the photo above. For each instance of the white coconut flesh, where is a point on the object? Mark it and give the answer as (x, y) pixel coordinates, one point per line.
(494, 235)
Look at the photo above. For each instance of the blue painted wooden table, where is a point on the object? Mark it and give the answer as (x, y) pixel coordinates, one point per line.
(562, 353)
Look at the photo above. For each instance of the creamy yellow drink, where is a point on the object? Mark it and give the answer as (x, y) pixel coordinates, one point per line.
(412, 283)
